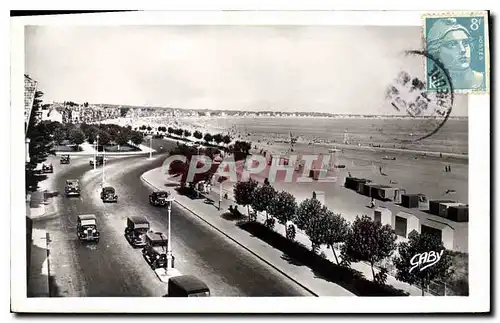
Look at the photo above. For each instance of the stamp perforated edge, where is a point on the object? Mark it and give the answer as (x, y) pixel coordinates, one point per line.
(462, 14)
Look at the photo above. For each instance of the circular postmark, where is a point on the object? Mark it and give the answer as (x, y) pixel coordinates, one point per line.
(423, 112)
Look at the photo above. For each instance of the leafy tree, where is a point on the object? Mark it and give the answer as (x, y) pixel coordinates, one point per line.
(181, 169)
(187, 133)
(309, 208)
(218, 138)
(369, 241)
(170, 130)
(136, 137)
(149, 128)
(198, 135)
(283, 207)
(104, 138)
(226, 139)
(77, 137)
(59, 136)
(336, 230)
(315, 229)
(122, 137)
(418, 244)
(208, 137)
(263, 198)
(244, 193)
(143, 127)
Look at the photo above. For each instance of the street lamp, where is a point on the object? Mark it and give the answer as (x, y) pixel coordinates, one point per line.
(150, 147)
(28, 149)
(170, 200)
(103, 164)
(95, 152)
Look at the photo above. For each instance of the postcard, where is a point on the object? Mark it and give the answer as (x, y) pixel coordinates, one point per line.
(262, 162)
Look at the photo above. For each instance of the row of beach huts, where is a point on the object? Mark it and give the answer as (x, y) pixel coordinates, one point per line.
(406, 212)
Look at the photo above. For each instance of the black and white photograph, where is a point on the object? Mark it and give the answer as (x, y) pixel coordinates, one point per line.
(319, 159)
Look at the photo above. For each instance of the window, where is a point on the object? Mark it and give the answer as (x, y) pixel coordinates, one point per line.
(401, 226)
(433, 231)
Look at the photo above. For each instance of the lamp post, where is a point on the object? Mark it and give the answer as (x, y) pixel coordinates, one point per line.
(95, 152)
(27, 149)
(170, 200)
(103, 164)
(150, 147)
(220, 195)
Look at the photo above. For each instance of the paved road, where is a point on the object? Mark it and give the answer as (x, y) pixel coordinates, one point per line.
(114, 268)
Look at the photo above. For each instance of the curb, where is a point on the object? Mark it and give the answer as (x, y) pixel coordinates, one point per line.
(237, 242)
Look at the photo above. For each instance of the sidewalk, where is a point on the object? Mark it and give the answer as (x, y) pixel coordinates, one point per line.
(211, 215)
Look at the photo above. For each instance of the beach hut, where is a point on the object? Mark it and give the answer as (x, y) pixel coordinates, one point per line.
(405, 222)
(458, 213)
(434, 205)
(443, 208)
(441, 230)
(411, 201)
(383, 215)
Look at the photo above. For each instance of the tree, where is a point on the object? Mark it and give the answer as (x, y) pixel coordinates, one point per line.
(283, 207)
(198, 135)
(136, 138)
(226, 139)
(218, 138)
(369, 241)
(309, 208)
(263, 198)
(149, 128)
(170, 130)
(419, 244)
(187, 133)
(315, 229)
(179, 132)
(208, 137)
(59, 136)
(336, 230)
(122, 137)
(244, 193)
(104, 138)
(40, 145)
(143, 127)
(77, 137)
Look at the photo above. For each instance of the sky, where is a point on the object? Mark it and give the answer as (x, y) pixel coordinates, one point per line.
(333, 69)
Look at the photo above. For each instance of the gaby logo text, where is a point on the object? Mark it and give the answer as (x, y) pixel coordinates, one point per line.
(425, 260)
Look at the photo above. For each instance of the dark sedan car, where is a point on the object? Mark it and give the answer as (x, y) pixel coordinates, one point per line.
(108, 194)
(158, 198)
(47, 168)
(87, 228)
(135, 232)
(155, 251)
(65, 159)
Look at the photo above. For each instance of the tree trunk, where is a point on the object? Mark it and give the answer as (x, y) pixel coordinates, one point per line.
(422, 285)
(248, 211)
(373, 271)
(334, 254)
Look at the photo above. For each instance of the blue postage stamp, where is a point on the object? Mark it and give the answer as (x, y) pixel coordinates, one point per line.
(459, 41)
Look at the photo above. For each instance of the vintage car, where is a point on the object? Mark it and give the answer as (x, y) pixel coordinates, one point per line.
(187, 286)
(108, 194)
(158, 198)
(65, 159)
(388, 158)
(135, 232)
(155, 250)
(47, 168)
(72, 187)
(87, 228)
(99, 160)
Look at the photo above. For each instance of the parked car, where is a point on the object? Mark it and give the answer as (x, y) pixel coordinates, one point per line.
(72, 187)
(155, 250)
(99, 160)
(108, 194)
(187, 286)
(135, 232)
(388, 158)
(47, 168)
(65, 159)
(158, 198)
(87, 228)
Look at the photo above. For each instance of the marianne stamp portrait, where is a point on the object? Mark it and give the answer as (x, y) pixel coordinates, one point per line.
(460, 43)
